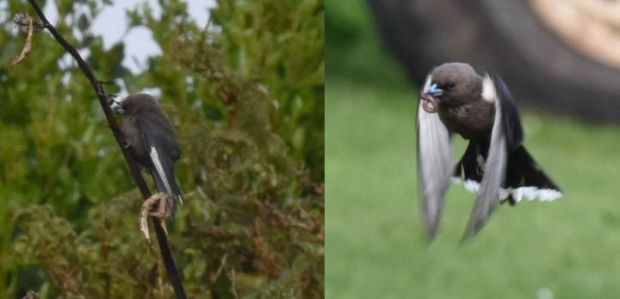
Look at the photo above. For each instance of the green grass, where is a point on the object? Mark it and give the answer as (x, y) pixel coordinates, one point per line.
(375, 242)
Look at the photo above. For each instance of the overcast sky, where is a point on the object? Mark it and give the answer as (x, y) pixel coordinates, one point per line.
(139, 44)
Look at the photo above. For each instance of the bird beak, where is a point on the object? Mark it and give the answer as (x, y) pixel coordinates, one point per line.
(435, 91)
(117, 107)
(429, 96)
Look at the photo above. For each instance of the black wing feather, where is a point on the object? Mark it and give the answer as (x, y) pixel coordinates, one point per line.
(511, 120)
(157, 135)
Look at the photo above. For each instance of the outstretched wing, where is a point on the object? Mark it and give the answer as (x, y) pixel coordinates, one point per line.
(507, 134)
(163, 150)
(434, 164)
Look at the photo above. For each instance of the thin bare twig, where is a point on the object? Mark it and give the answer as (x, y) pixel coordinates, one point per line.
(157, 206)
(25, 21)
(217, 273)
(31, 295)
(164, 246)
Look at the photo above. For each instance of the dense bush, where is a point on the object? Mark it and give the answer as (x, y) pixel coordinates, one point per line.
(246, 97)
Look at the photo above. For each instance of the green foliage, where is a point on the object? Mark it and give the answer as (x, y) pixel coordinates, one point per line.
(257, 247)
(246, 97)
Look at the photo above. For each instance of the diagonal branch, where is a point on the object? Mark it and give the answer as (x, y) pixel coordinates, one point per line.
(164, 246)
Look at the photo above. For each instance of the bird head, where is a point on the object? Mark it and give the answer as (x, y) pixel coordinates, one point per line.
(135, 103)
(450, 84)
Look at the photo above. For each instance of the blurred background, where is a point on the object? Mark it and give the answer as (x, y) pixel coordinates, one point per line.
(560, 60)
(243, 84)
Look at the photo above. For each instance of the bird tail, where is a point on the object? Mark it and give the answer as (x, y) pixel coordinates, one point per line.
(163, 174)
(170, 188)
(524, 178)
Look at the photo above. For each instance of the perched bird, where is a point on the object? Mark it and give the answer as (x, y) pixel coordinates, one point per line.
(151, 140)
(455, 99)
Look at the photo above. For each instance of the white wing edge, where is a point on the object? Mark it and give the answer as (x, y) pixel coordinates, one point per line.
(495, 166)
(435, 167)
(531, 193)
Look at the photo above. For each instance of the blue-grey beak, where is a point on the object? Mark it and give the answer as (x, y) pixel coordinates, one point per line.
(435, 91)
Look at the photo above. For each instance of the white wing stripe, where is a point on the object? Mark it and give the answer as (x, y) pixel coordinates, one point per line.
(160, 169)
(488, 90)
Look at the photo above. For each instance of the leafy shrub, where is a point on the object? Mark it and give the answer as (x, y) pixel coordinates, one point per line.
(246, 98)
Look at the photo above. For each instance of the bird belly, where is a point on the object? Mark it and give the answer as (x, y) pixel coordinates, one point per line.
(472, 121)
(133, 139)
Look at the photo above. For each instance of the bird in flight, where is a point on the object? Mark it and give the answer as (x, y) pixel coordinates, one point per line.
(495, 165)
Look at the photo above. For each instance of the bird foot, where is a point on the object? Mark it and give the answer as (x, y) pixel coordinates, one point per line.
(159, 206)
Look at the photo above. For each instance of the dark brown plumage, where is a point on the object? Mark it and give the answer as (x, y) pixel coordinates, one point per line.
(455, 99)
(151, 140)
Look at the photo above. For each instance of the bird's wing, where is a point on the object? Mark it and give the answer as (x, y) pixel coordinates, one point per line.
(434, 165)
(507, 133)
(163, 150)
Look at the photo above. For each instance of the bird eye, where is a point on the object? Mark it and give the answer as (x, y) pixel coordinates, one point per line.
(448, 85)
